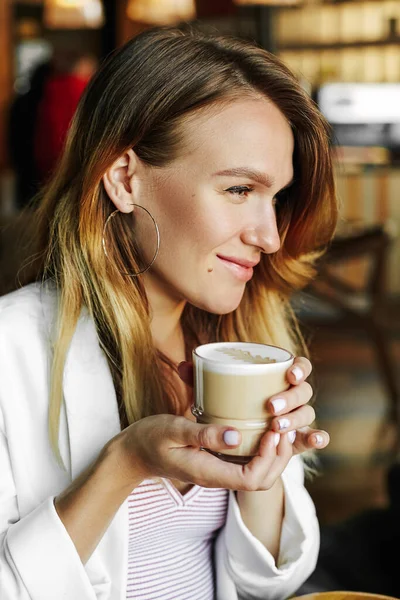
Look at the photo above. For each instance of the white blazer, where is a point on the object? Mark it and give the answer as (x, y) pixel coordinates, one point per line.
(38, 560)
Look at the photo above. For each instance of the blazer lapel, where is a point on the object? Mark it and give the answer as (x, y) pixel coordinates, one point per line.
(92, 420)
(90, 400)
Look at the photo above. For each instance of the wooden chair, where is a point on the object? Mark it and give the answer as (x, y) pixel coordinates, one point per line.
(354, 305)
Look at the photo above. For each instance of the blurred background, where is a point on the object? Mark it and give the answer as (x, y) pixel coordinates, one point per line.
(346, 54)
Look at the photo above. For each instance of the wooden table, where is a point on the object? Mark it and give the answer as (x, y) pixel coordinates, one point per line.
(343, 596)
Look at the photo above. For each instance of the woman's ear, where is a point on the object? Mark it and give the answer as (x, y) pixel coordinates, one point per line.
(118, 181)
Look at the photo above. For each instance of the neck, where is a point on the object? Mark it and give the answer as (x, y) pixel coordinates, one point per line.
(166, 329)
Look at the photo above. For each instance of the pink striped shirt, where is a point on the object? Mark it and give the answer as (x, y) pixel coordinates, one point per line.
(171, 541)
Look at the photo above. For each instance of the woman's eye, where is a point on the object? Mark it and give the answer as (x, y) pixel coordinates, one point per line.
(240, 190)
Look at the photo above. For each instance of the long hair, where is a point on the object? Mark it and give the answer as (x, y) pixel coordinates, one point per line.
(139, 99)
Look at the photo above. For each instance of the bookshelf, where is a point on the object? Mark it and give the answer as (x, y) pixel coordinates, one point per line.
(356, 40)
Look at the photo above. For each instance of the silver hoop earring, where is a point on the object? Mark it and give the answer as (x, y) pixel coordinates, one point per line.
(111, 216)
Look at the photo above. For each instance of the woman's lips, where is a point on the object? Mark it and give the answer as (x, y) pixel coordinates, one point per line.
(240, 271)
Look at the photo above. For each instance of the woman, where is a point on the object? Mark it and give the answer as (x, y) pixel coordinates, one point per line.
(211, 144)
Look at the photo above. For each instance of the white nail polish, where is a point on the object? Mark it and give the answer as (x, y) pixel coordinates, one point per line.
(283, 423)
(278, 404)
(292, 436)
(277, 438)
(298, 373)
(319, 439)
(231, 438)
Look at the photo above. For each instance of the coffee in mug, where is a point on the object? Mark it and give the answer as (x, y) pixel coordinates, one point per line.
(233, 381)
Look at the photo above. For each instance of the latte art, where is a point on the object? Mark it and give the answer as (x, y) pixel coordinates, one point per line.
(246, 356)
(241, 357)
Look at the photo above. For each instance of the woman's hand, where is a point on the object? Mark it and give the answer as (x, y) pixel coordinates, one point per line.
(293, 413)
(171, 447)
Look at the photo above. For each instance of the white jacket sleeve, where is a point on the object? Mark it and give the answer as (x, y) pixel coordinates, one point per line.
(38, 560)
(244, 567)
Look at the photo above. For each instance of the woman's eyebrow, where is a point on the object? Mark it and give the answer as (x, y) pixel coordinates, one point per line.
(258, 176)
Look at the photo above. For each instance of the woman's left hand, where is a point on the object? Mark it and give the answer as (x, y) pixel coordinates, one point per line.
(293, 412)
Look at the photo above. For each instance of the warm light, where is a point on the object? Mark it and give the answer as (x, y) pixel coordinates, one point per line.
(269, 2)
(161, 12)
(73, 14)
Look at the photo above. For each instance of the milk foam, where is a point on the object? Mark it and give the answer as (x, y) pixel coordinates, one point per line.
(241, 357)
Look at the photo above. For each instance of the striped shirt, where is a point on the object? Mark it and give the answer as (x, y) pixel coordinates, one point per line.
(171, 541)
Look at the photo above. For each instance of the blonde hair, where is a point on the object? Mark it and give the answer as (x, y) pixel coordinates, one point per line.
(139, 98)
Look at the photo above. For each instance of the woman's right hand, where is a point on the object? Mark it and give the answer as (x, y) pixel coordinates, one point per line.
(170, 446)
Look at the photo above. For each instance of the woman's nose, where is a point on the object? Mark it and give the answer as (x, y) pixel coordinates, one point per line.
(263, 234)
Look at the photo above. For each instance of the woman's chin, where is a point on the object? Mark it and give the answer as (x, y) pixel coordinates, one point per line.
(219, 306)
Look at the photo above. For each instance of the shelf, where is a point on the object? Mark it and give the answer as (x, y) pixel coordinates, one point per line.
(339, 45)
(336, 2)
(324, 3)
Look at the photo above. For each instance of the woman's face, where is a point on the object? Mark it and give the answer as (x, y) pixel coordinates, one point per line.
(215, 204)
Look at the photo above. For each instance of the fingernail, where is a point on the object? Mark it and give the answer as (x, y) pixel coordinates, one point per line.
(298, 373)
(292, 436)
(283, 423)
(318, 439)
(278, 404)
(277, 437)
(231, 438)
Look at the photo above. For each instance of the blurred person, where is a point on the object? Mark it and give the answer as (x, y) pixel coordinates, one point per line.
(21, 135)
(105, 490)
(59, 100)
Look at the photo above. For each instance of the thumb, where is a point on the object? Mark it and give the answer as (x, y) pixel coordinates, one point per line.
(213, 437)
(185, 370)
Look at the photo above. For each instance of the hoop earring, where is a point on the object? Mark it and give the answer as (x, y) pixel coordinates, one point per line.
(111, 216)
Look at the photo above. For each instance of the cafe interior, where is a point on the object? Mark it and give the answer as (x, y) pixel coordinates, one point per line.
(346, 55)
